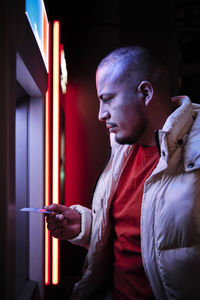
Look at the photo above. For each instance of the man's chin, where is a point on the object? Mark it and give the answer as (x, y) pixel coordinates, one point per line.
(124, 140)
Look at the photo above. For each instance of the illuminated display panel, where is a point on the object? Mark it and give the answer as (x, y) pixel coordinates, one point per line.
(36, 14)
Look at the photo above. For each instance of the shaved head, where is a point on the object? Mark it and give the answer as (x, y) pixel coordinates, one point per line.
(140, 62)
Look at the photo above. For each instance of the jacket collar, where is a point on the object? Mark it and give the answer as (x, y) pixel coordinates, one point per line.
(180, 130)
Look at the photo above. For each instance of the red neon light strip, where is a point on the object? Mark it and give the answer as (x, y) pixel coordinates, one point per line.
(56, 141)
(47, 168)
(47, 165)
(47, 256)
(47, 186)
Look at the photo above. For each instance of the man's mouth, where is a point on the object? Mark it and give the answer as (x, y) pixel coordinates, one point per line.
(111, 127)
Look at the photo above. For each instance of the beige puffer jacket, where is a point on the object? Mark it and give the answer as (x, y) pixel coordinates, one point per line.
(170, 218)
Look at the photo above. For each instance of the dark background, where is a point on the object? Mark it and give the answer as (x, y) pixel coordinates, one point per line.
(90, 29)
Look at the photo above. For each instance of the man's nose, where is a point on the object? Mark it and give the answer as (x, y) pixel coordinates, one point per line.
(103, 113)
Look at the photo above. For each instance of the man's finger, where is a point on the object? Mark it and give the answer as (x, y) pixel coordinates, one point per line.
(56, 225)
(71, 215)
(55, 219)
(59, 208)
(60, 217)
(58, 233)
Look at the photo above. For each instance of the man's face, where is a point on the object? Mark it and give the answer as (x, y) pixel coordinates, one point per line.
(120, 105)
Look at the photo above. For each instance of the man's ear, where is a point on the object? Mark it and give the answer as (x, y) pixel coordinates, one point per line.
(146, 89)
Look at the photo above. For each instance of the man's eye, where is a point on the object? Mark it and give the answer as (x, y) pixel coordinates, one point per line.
(107, 99)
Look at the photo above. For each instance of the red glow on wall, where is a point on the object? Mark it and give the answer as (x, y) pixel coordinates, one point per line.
(77, 162)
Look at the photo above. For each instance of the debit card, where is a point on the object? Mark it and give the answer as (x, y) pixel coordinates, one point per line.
(37, 210)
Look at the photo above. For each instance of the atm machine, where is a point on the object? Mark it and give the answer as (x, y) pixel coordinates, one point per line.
(31, 146)
(24, 82)
(31, 86)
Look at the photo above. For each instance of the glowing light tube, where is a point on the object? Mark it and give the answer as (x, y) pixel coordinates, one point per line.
(47, 201)
(47, 256)
(47, 186)
(56, 141)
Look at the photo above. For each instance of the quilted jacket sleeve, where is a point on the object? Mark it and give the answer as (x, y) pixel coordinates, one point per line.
(83, 238)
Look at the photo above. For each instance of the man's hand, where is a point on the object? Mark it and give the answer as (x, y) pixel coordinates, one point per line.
(63, 222)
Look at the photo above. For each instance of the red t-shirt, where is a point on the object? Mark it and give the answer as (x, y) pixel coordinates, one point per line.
(130, 281)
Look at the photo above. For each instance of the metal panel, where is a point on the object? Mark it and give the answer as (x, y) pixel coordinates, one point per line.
(21, 169)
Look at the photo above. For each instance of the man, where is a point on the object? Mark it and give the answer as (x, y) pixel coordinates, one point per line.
(143, 231)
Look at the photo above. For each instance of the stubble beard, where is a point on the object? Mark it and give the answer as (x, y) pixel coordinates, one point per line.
(135, 137)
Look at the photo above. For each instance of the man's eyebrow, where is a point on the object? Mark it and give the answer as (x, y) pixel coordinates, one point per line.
(106, 95)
